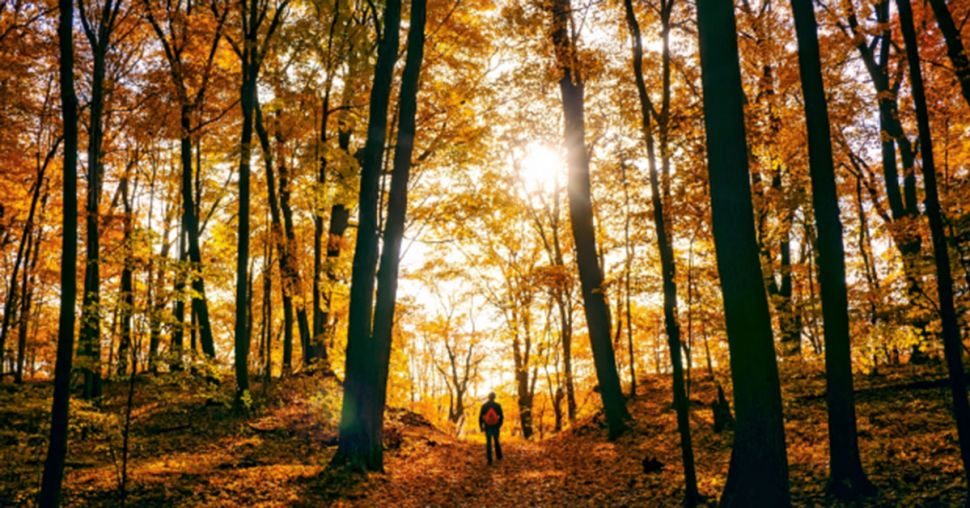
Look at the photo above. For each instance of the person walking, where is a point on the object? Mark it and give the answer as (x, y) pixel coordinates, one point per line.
(490, 420)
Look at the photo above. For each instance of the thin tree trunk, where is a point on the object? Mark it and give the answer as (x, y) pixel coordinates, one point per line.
(248, 99)
(50, 489)
(276, 231)
(627, 275)
(952, 343)
(668, 267)
(758, 473)
(29, 280)
(954, 45)
(178, 314)
(127, 286)
(581, 215)
(846, 476)
(294, 283)
(89, 342)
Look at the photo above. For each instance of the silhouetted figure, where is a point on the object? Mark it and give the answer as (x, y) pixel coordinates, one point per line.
(490, 420)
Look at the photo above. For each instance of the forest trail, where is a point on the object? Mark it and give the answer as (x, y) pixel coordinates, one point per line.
(189, 448)
(457, 473)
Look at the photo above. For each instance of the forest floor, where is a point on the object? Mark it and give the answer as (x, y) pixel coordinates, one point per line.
(189, 448)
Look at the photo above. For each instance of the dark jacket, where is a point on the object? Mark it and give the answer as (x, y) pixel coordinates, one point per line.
(481, 415)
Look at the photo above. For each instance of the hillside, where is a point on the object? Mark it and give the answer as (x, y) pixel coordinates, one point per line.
(189, 448)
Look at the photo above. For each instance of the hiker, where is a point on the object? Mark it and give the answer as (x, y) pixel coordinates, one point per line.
(490, 420)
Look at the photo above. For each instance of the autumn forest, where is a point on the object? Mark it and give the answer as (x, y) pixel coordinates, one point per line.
(283, 252)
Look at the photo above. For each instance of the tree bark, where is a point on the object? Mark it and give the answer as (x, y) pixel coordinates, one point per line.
(758, 473)
(359, 446)
(276, 231)
(952, 343)
(846, 476)
(50, 489)
(397, 201)
(667, 263)
(954, 45)
(581, 216)
(127, 285)
(248, 96)
(89, 341)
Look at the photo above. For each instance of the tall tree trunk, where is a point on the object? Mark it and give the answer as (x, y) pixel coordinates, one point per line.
(397, 203)
(267, 351)
(627, 276)
(190, 225)
(563, 296)
(581, 215)
(294, 283)
(127, 286)
(668, 267)
(846, 476)
(178, 314)
(29, 280)
(954, 45)
(952, 343)
(21, 260)
(50, 488)
(359, 446)
(248, 104)
(89, 341)
(667, 264)
(902, 203)
(276, 231)
(758, 473)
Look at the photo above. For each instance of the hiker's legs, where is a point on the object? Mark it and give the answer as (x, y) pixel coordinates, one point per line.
(498, 446)
(488, 444)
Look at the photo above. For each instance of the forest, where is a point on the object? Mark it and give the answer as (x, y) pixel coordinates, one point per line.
(702, 252)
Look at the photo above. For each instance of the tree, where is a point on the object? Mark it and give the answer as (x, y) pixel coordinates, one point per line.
(846, 476)
(253, 15)
(176, 47)
(758, 473)
(667, 264)
(284, 245)
(89, 342)
(954, 45)
(359, 443)
(903, 203)
(581, 216)
(50, 488)
(952, 343)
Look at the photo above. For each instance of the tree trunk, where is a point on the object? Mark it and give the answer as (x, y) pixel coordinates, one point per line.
(758, 473)
(276, 231)
(248, 103)
(127, 286)
(294, 283)
(359, 446)
(397, 202)
(952, 343)
(190, 225)
(667, 264)
(846, 476)
(50, 489)
(29, 280)
(581, 215)
(22, 258)
(954, 45)
(902, 203)
(89, 341)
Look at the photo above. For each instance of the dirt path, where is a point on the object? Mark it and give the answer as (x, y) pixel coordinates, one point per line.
(456, 473)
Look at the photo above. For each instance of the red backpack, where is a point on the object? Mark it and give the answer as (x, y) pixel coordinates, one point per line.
(491, 417)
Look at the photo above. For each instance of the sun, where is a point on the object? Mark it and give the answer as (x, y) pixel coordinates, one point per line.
(542, 168)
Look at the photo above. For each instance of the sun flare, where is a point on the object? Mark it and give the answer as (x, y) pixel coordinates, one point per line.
(542, 168)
